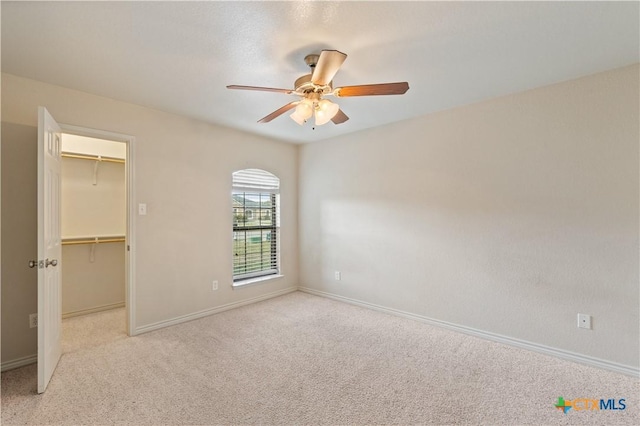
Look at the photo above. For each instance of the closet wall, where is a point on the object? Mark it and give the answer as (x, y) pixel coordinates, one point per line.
(93, 206)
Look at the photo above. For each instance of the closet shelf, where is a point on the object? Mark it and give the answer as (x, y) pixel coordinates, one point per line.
(93, 157)
(97, 158)
(93, 240)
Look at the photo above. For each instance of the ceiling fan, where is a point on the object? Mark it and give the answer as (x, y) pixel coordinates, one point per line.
(311, 88)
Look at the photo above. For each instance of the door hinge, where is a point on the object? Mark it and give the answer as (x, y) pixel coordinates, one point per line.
(128, 247)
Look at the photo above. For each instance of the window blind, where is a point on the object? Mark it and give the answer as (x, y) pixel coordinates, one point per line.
(255, 202)
(256, 180)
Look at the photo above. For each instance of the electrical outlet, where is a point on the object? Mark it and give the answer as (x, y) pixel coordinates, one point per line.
(33, 320)
(142, 209)
(214, 285)
(584, 321)
(337, 275)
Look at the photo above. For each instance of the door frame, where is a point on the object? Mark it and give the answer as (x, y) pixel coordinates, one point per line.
(130, 256)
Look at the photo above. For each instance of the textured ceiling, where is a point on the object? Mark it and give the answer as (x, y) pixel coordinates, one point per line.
(179, 56)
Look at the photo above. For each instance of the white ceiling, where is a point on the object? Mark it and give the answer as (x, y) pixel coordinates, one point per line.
(179, 56)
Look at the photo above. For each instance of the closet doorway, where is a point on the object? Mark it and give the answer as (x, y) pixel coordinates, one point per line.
(95, 226)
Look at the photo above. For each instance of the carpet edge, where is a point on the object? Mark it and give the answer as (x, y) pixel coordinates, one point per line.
(522, 344)
(206, 312)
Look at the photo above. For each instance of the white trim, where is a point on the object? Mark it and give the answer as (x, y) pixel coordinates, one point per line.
(523, 344)
(238, 189)
(93, 310)
(255, 280)
(95, 133)
(19, 362)
(130, 263)
(205, 313)
(240, 278)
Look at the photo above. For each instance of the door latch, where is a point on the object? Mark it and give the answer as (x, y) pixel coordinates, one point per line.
(34, 263)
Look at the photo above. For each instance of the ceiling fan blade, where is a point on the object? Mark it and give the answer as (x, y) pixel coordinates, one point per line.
(340, 117)
(260, 89)
(373, 89)
(328, 65)
(278, 112)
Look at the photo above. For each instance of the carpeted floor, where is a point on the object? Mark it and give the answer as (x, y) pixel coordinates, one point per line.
(301, 359)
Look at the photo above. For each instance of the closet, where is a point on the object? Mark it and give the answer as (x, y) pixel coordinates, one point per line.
(93, 220)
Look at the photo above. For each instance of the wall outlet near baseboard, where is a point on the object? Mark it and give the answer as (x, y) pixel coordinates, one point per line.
(337, 275)
(33, 320)
(584, 321)
(214, 285)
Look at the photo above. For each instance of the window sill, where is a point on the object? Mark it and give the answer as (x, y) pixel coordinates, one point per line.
(254, 281)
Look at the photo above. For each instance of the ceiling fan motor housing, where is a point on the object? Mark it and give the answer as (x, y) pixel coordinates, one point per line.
(304, 85)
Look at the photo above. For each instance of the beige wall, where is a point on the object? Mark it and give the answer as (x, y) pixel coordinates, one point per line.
(87, 285)
(90, 210)
(509, 216)
(183, 173)
(19, 234)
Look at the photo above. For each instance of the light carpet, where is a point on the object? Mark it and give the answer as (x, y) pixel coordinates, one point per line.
(302, 359)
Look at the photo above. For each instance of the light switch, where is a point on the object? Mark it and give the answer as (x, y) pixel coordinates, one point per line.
(142, 209)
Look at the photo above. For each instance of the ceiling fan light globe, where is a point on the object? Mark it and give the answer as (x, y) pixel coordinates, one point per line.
(304, 110)
(298, 118)
(325, 105)
(321, 118)
(325, 111)
(333, 110)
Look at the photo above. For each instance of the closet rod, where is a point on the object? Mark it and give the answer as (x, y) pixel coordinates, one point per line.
(93, 241)
(93, 157)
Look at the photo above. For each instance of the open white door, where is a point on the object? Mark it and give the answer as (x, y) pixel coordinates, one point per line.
(49, 248)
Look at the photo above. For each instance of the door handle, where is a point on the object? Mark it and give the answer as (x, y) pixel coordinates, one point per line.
(52, 262)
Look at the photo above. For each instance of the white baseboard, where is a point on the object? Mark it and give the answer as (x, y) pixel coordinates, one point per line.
(92, 310)
(201, 314)
(20, 362)
(535, 347)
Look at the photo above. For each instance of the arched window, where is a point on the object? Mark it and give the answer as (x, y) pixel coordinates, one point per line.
(256, 224)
